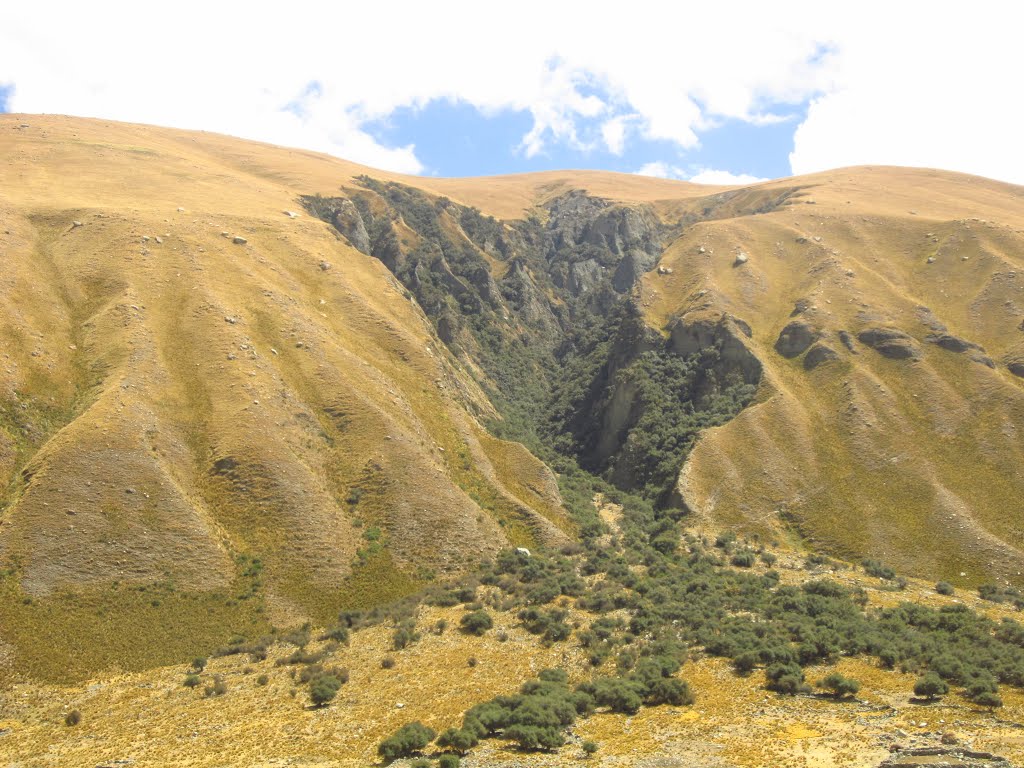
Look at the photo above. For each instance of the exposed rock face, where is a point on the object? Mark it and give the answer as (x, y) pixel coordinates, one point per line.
(697, 331)
(890, 342)
(348, 222)
(818, 354)
(795, 338)
(955, 344)
(522, 301)
(952, 343)
(584, 276)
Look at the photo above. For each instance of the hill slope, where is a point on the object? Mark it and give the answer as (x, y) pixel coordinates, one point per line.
(202, 438)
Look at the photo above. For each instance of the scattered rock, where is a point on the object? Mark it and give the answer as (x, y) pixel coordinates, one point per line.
(225, 234)
(889, 342)
(664, 270)
(325, 265)
(159, 240)
(796, 337)
(523, 551)
(702, 249)
(819, 353)
(952, 343)
(75, 224)
(239, 240)
(741, 259)
(931, 259)
(291, 214)
(145, 238)
(801, 306)
(180, 209)
(231, 320)
(949, 738)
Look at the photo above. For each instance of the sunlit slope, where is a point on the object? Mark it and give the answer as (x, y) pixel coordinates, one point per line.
(177, 408)
(176, 405)
(889, 421)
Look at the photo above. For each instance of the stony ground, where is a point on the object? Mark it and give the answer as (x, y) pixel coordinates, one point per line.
(151, 719)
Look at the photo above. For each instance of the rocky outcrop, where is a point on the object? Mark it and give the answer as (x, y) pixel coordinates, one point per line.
(795, 338)
(975, 352)
(702, 330)
(348, 222)
(818, 354)
(890, 342)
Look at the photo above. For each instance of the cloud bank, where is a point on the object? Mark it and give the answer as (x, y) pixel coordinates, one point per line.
(922, 84)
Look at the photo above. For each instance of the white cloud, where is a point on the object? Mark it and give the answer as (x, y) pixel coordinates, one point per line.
(614, 132)
(910, 83)
(931, 89)
(661, 170)
(724, 178)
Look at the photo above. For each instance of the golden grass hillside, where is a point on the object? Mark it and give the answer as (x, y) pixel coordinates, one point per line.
(906, 450)
(215, 416)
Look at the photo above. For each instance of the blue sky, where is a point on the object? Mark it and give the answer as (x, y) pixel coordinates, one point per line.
(5, 94)
(456, 139)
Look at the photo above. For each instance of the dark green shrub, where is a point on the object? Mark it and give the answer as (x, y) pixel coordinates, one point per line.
(744, 559)
(839, 686)
(877, 569)
(387, 663)
(476, 623)
(535, 737)
(199, 663)
(989, 700)
(930, 686)
(323, 689)
(459, 739)
(448, 761)
(944, 588)
(589, 747)
(262, 679)
(745, 662)
(338, 634)
(218, 688)
(73, 718)
(785, 678)
(405, 742)
(191, 681)
(616, 693)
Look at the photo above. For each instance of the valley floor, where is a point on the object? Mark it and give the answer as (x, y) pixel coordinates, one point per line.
(151, 719)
